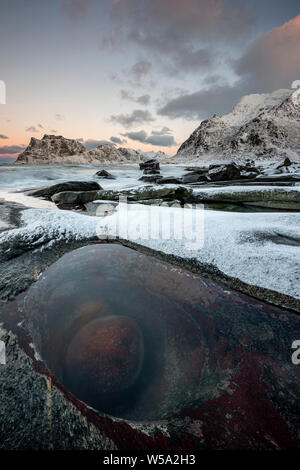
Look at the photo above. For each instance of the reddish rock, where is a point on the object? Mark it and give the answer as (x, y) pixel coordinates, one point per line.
(104, 359)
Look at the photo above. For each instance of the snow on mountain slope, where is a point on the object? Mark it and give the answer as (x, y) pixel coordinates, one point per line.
(261, 126)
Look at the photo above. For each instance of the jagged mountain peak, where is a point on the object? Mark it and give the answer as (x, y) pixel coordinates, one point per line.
(262, 126)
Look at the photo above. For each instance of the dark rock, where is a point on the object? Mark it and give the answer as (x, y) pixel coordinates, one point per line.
(105, 174)
(170, 180)
(151, 178)
(248, 174)
(275, 198)
(225, 172)
(150, 164)
(132, 195)
(287, 162)
(196, 169)
(193, 178)
(48, 192)
(74, 197)
(151, 172)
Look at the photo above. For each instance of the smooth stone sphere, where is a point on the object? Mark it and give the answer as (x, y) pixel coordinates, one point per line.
(104, 359)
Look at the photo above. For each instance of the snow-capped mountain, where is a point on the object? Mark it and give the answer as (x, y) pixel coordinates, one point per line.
(261, 126)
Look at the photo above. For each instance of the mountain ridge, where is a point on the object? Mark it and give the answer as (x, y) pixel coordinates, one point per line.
(261, 126)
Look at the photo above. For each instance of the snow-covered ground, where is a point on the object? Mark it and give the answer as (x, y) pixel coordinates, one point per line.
(261, 249)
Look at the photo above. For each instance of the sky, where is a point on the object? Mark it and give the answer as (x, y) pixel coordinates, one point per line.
(137, 73)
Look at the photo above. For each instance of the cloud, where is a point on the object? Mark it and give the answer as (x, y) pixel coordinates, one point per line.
(269, 63)
(117, 140)
(11, 149)
(129, 96)
(140, 69)
(272, 61)
(160, 138)
(59, 117)
(32, 129)
(2, 136)
(137, 117)
(140, 136)
(181, 34)
(92, 144)
(202, 103)
(164, 130)
(76, 9)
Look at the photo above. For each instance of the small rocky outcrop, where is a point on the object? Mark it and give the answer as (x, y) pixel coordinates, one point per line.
(225, 172)
(287, 162)
(105, 175)
(151, 164)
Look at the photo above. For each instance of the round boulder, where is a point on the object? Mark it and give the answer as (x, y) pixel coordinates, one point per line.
(104, 359)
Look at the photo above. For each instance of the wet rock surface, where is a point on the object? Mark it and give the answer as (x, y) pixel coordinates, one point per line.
(151, 164)
(105, 175)
(227, 172)
(217, 364)
(150, 178)
(49, 191)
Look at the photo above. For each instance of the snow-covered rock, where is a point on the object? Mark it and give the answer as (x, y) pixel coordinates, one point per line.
(263, 126)
(108, 154)
(160, 156)
(51, 149)
(261, 250)
(57, 149)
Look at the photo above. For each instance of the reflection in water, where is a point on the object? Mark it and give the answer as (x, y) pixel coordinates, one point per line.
(141, 339)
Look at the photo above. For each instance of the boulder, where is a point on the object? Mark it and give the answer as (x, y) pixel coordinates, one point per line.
(286, 162)
(104, 359)
(104, 174)
(170, 180)
(74, 197)
(225, 172)
(275, 198)
(133, 195)
(151, 178)
(151, 172)
(193, 178)
(48, 192)
(150, 165)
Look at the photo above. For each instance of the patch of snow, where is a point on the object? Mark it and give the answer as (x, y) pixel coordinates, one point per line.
(251, 247)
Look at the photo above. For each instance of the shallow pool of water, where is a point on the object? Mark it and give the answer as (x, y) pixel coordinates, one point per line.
(141, 339)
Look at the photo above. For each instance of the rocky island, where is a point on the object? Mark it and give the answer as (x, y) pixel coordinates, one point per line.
(53, 149)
